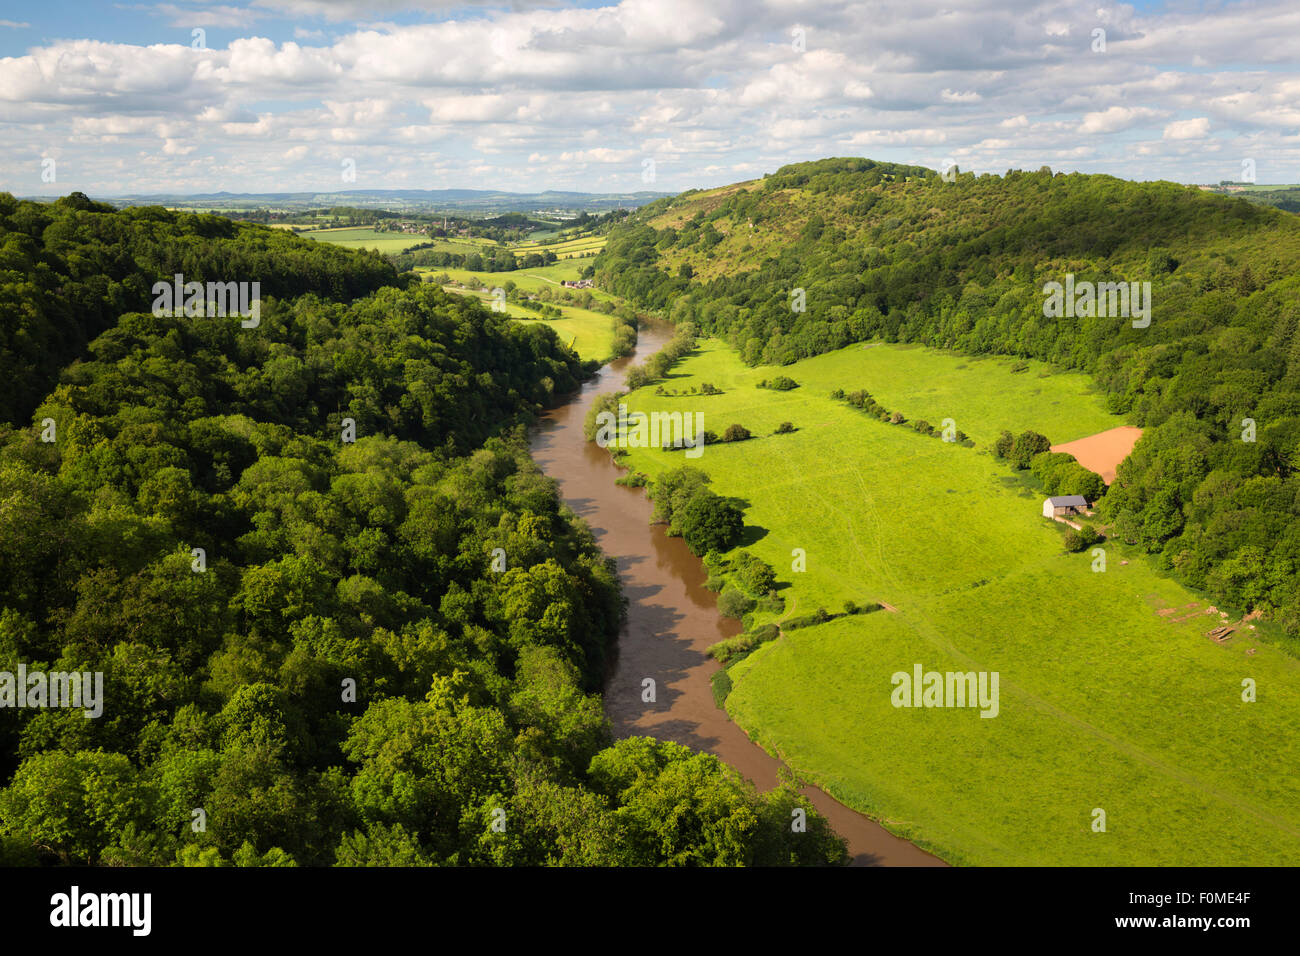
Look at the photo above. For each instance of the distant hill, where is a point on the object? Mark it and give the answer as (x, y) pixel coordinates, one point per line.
(1282, 196)
(403, 200)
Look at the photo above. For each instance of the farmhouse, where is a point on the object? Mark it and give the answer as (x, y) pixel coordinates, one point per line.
(579, 284)
(1064, 505)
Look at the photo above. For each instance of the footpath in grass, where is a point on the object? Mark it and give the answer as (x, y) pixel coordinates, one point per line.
(1111, 698)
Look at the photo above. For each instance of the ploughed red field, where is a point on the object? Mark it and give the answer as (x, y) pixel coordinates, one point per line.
(1103, 451)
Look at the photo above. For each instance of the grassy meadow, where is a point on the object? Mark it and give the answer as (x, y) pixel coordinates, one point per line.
(528, 279)
(364, 238)
(590, 334)
(1105, 703)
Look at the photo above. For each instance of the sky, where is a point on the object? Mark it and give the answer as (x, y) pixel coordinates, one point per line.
(664, 95)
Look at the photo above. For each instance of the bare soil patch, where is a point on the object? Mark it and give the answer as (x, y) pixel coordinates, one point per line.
(1103, 451)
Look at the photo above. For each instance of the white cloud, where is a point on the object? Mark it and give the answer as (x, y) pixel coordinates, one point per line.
(544, 94)
(1188, 129)
(1115, 118)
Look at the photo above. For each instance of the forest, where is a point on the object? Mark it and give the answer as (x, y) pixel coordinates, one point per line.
(69, 268)
(820, 255)
(342, 617)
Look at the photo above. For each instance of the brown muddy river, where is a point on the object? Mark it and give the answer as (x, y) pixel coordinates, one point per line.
(671, 618)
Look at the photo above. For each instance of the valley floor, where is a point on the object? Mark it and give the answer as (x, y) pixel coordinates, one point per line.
(1112, 699)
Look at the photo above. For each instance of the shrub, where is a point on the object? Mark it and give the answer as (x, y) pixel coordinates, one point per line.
(1002, 447)
(733, 648)
(736, 433)
(785, 428)
(755, 575)
(1082, 539)
(732, 603)
(721, 683)
(820, 616)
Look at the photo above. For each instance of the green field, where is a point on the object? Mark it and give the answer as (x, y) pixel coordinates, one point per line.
(530, 280)
(538, 278)
(580, 247)
(1104, 703)
(591, 334)
(363, 238)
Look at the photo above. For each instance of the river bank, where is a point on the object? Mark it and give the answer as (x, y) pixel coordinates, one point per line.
(672, 619)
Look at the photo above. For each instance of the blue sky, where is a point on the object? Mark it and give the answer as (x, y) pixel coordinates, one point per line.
(290, 94)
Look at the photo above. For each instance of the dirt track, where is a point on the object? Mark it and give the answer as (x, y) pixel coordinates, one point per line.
(1103, 451)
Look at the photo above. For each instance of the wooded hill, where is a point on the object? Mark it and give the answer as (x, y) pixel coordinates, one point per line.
(898, 253)
(69, 268)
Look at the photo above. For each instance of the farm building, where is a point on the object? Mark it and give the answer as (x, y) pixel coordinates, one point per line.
(1064, 505)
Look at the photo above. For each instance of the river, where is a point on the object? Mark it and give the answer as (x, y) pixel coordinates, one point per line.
(671, 619)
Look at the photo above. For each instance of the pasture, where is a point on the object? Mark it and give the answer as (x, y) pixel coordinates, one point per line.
(1112, 698)
(590, 333)
(363, 238)
(578, 247)
(530, 280)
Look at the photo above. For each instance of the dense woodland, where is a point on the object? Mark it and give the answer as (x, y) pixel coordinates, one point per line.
(376, 651)
(69, 268)
(897, 253)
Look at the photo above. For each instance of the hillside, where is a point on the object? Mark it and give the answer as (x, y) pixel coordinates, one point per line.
(69, 268)
(876, 250)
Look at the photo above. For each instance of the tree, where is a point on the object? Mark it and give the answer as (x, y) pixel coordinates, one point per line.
(1026, 446)
(709, 522)
(673, 489)
(74, 804)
